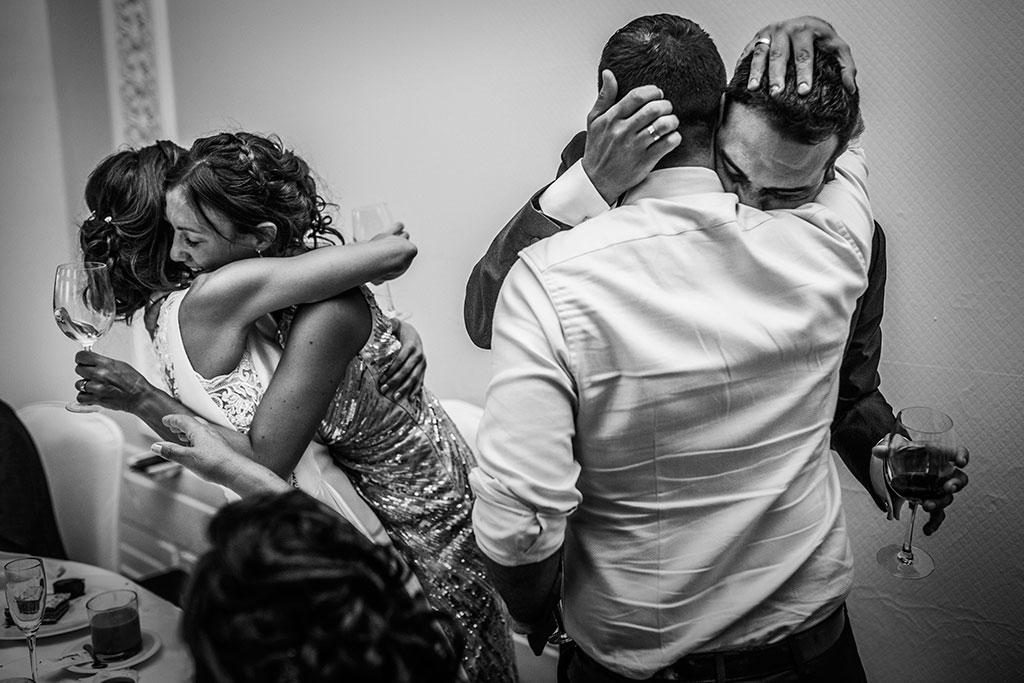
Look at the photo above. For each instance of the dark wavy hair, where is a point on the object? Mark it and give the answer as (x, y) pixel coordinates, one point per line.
(828, 109)
(250, 179)
(127, 229)
(291, 592)
(678, 56)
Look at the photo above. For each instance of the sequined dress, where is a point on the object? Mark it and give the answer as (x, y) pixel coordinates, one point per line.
(410, 464)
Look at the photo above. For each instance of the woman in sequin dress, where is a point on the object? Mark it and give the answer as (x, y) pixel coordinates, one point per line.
(403, 455)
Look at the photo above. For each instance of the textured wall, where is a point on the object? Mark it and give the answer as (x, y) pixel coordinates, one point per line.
(455, 111)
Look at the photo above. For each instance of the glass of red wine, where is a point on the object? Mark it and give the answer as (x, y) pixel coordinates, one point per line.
(917, 465)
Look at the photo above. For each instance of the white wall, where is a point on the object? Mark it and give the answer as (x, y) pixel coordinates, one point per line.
(454, 111)
(54, 127)
(34, 234)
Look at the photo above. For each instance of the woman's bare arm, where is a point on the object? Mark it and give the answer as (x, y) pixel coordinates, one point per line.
(323, 338)
(202, 449)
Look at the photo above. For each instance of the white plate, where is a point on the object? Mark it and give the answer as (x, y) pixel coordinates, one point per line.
(79, 661)
(74, 619)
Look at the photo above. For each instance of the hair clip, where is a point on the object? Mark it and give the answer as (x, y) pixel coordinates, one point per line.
(108, 220)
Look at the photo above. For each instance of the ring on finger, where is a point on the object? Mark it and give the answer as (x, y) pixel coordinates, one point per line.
(653, 133)
(83, 385)
(763, 40)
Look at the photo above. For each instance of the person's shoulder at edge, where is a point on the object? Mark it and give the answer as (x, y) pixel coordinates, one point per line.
(843, 202)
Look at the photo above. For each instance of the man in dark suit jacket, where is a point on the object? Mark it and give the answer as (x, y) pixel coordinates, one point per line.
(616, 162)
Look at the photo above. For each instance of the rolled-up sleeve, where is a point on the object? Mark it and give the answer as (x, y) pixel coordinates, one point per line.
(525, 481)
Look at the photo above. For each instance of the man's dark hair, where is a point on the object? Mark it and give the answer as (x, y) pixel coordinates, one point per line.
(828, 109)
(676, 55)
(289, 591)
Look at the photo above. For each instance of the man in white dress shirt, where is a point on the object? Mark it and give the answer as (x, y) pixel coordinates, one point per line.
(665, 375)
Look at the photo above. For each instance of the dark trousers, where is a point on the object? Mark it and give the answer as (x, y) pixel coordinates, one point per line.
(838, 664)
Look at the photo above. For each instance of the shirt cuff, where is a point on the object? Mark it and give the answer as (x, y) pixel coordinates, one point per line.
(572, 198)
(507, 532)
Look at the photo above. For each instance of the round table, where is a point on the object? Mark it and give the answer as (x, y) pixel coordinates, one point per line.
(169, 664)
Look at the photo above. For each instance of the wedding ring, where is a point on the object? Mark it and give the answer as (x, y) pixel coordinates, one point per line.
(763, 41)
(84, 387)
(654, 133)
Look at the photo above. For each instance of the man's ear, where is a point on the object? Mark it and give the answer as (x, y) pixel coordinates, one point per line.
(264, 235)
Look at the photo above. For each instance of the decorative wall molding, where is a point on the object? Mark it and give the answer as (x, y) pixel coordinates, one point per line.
(138, 71)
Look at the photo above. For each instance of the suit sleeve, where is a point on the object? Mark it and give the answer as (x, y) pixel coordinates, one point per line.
(526, 227)
(863, 416)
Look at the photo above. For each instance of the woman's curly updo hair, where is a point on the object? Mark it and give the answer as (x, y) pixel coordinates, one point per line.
(127, 230)
(291, 593)
(250, 179)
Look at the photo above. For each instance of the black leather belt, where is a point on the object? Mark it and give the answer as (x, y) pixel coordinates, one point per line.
(789, 653)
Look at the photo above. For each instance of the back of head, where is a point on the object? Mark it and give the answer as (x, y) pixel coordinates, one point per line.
(828, 109)
(251, 179)
(676, 55)
(291, 592)
(126, 229)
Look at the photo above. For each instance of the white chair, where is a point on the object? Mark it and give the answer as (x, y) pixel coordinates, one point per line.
(466, 417)
(82, 455)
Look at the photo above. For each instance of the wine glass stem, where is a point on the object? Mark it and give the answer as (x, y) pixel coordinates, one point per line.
(32, 654)
(906, 555)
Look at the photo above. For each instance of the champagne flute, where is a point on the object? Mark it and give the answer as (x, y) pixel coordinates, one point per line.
(26, 600)
(367, 223)
(83, 307)
(916, 467)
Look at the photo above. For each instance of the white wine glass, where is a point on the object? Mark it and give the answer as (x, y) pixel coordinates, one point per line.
(83, 306)
(26, 600)
(916, 467)
(369, 222)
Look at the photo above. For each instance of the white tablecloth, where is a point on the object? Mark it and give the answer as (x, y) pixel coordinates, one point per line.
(170, 664)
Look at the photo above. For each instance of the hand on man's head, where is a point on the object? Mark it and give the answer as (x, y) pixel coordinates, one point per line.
(774, 45)
(626, 138)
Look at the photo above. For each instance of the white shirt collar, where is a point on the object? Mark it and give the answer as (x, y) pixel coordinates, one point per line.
(678, 181)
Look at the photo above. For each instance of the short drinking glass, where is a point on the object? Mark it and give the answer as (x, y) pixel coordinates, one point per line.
(114, 625)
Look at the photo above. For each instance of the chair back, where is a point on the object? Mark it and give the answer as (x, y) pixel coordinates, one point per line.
(83, 457)
(466, 417)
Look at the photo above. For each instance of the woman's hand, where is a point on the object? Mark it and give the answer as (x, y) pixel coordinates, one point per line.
(408, 254)
(207, 454)
(404, 376)
(109, 383)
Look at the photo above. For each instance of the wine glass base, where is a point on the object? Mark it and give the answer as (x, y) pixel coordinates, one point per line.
(889, 559)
